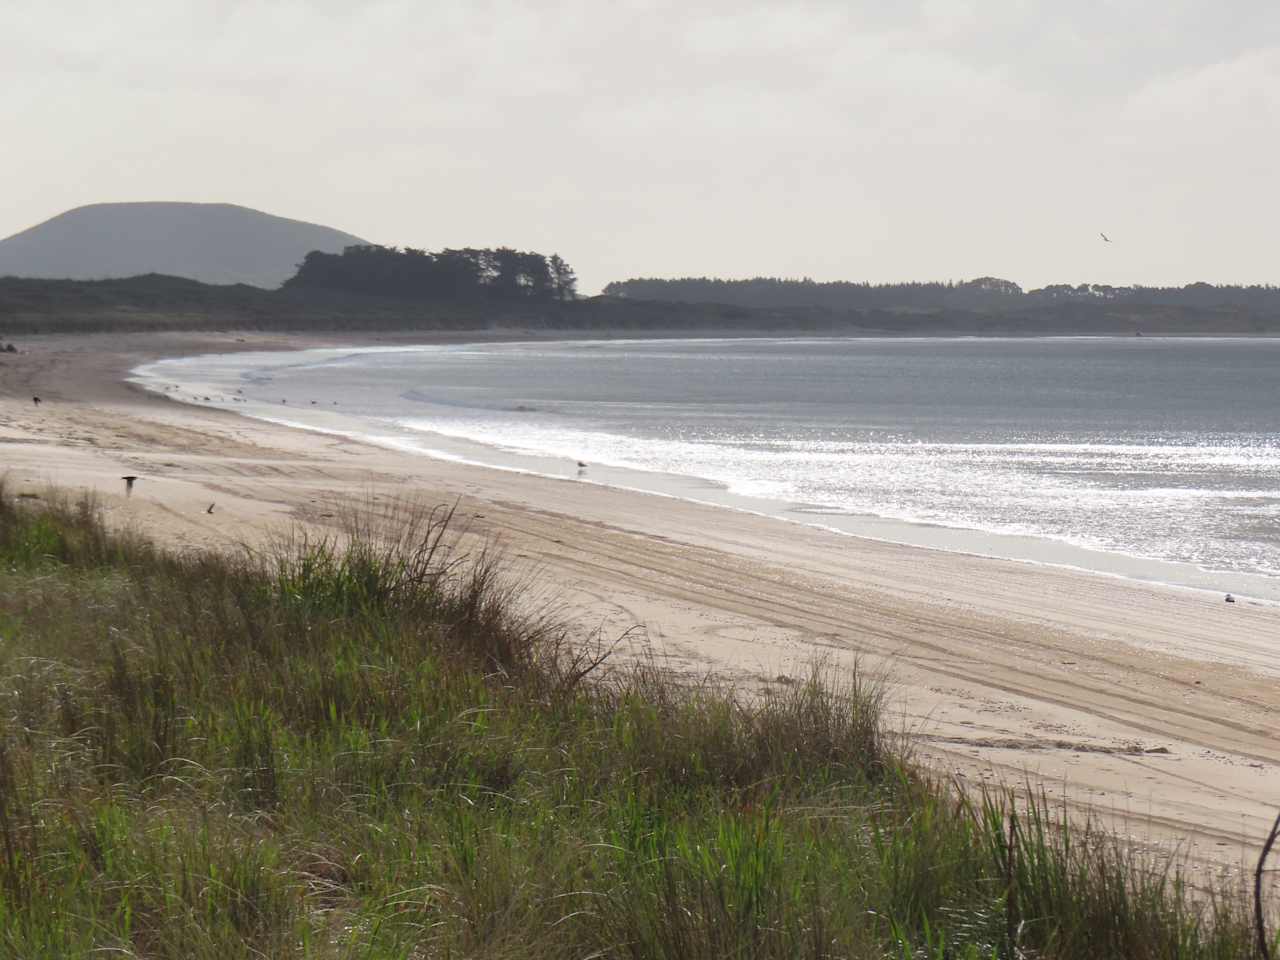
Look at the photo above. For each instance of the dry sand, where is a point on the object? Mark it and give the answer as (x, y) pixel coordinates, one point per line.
(1154, 706)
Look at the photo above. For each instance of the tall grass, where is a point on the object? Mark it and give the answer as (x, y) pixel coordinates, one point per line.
(364, 746)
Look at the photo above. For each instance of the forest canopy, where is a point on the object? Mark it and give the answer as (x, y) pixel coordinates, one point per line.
(466, 274)
(986, 294)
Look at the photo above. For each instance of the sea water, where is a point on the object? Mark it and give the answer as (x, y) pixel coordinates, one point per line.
(1142, 456)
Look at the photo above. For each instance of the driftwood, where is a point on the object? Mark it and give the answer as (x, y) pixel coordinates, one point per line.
(1259, 920)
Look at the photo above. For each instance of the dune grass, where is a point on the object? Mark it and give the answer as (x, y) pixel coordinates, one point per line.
(359, 746)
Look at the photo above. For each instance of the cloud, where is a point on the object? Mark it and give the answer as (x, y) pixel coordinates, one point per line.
(935, 138)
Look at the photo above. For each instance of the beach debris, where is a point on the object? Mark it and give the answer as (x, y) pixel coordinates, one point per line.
(1104, 237)
(128, 485)
(209, 509)
(36, 401)
(1230, 598)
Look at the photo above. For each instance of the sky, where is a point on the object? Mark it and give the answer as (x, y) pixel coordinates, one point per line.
(857, 140)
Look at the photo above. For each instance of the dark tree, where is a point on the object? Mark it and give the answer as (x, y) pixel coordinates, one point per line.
(463, 274)
(535, 276)
(985, 294)
(563, 280)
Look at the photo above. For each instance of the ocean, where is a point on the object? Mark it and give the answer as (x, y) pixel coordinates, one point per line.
(1149, 457)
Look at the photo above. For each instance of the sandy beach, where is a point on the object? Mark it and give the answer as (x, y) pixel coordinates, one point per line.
(1154, 706)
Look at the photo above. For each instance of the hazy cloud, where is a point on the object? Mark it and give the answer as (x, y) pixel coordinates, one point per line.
(936, 139)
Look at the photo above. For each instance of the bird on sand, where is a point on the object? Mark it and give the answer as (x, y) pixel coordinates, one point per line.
(36, 401)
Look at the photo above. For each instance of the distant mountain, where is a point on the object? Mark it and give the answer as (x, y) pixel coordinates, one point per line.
(211, 242)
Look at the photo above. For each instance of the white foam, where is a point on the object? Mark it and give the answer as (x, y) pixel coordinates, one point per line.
(1158, 501)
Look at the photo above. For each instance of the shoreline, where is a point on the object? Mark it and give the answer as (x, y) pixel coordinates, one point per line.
(219, 378)
(1002, 670)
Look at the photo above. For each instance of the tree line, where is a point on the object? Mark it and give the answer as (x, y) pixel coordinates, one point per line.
(981, 294)
(465, 274)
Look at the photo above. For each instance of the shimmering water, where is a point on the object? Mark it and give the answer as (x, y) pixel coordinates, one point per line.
(1164, 449)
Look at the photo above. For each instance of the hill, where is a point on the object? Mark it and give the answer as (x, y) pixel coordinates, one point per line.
(216, 243)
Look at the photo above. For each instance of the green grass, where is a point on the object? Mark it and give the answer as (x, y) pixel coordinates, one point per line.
(358, 746)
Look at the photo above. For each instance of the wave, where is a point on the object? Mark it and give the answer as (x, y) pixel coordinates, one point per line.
(1147, 483)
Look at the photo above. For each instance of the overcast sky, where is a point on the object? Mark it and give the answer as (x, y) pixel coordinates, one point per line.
(885, 140)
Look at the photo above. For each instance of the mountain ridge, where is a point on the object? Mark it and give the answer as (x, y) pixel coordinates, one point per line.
(213, 243)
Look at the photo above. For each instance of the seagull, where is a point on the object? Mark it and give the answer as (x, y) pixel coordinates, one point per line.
(1104, 237)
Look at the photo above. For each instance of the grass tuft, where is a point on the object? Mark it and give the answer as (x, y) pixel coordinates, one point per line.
(366, 745)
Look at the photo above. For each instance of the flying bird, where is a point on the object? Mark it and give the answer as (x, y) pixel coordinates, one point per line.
(1104, 237)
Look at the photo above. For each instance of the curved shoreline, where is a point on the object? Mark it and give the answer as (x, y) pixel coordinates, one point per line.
(1041, 549)
(1038, 677)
